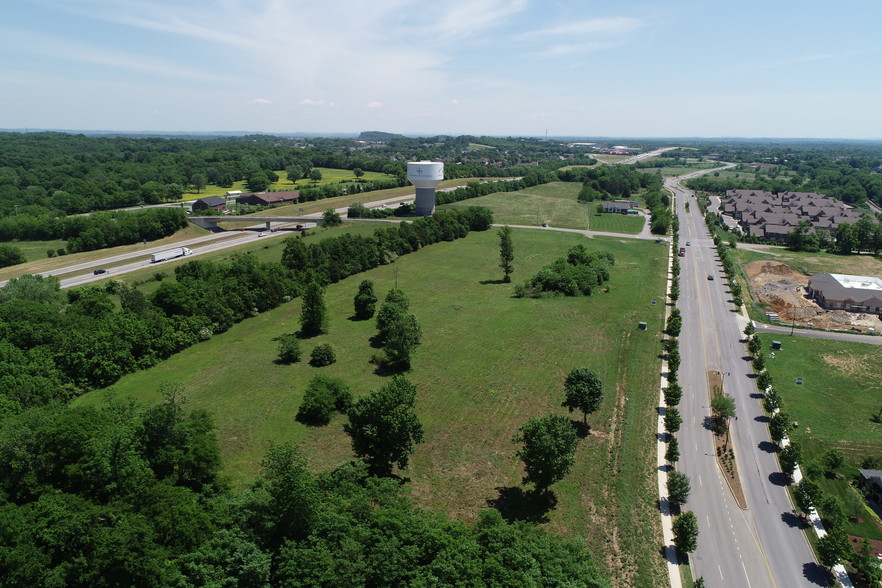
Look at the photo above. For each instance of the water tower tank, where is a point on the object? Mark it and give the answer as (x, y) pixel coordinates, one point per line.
(425, 175)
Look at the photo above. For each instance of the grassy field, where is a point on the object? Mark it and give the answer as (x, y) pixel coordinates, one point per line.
(604, 158)
(329, 176)
(37, 250)
(488, 362)
(679, 170)
(834, 406)
(554, 203)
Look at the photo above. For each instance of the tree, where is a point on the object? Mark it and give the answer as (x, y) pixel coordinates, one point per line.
(749, 329)
(759, 362)
(754, 345)
(806, 494)
(548, 449)
(330, 218)
(198, 181)
(789, 458)
(365, 300)
(672, 453)
(383, 427)
(779, 423)
(584, 391)
(10, 255)
(678, 487)
(315, 175)
(686, 532)
(313, 313)
(294, 497)
(289, 349)
(833, 548)
(599, 209)
(506, 253)
(294, 172)
(673, 393)
(257, 181)
(394, 305)
(358, 172)
(833, 460)
(867, 563)
(675, 323)
(323, 396)
(763, 381)
(402, 337)
(722, 409)
(673, 420)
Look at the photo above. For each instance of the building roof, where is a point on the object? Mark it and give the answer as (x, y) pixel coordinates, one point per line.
(212, 201)
(859, 289)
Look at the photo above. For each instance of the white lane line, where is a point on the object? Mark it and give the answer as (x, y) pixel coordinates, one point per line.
(699, 480)
(745, 574)
(721, 571)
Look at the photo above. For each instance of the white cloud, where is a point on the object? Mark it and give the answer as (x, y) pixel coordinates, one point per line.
(595, 26)
(309, 102)
(260, 101)
(375, 104)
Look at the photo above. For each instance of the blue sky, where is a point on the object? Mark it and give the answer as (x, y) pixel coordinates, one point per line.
(745, 68)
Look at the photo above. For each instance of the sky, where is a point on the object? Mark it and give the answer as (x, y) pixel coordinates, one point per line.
(576, 68)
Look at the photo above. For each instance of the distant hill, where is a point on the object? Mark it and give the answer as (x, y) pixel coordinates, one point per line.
(378, 136)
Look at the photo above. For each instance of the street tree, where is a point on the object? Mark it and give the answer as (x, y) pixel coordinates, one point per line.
(506, 253)
(672, 453)
(673, 420)
(314, 313)
(759, 362)
(789, 458)
(686, 532)
(806, 494)
(584, 391)
(763, 381)
(749, 329)
(678, 487)
(779, 423)
(675, 323)
(383, 426)
(722, 409)
(548, 449)
(365, 300)
(754, 345)
(833, 548)
(673, 393)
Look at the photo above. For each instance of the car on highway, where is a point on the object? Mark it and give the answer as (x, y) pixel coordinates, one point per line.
(262, 235)
(689, 243)
(99, 271)
(710, 277)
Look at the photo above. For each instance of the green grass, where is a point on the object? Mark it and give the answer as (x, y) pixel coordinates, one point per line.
(615, 223)
(329, 176)
(834, 406)
(36, 250)
(554, 203)
(488, 362)
(679, 170)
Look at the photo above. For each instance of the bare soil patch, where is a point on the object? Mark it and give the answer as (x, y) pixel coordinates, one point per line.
(784, 289)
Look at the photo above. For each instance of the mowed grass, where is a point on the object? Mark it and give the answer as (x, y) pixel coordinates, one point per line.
(834, 406)
(488, 362)
(553, 203)
(37, 250)
(615, 223)
(329, 176)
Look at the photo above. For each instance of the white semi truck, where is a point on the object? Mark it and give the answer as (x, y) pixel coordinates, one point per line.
(170, 254)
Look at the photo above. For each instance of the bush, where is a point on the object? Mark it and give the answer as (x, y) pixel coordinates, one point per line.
(322, 355)
(323, 396)
(289, 349)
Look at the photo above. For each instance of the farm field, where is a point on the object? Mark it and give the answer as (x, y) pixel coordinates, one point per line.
(835, 408)
(488, 362)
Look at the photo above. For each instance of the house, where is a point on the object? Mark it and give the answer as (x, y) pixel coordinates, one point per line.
(841, 291)
(210, 203)
(870, 482)
(268, 198)
(619, 206)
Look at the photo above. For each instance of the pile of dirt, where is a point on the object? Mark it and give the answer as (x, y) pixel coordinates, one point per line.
(785, 291)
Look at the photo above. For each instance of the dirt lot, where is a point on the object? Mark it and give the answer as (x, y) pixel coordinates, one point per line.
(784, 290)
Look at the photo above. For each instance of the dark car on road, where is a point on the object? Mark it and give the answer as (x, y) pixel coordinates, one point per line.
(100, 271)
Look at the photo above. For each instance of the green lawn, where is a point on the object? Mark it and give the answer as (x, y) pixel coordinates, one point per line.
(329, 176)
(37, 250)
(615, 223)
(488, 362)
(834, 406)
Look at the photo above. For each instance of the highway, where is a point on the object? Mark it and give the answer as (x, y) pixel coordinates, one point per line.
(762, 545)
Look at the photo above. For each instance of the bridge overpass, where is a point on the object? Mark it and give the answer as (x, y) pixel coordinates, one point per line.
(211, 222)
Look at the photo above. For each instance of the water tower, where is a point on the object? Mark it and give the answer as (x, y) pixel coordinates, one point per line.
(425, 175)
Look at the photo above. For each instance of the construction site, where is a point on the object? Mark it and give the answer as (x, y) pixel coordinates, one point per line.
(781, 289)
